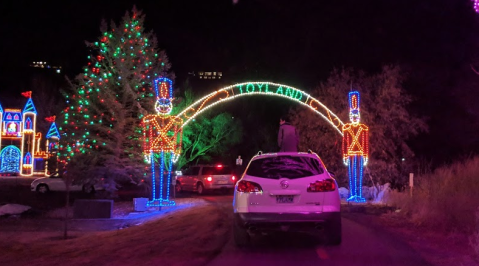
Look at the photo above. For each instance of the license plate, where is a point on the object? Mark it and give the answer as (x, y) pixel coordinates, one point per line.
(284, 199)
(221, 182)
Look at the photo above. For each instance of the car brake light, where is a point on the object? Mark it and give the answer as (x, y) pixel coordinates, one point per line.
(233, 178)
(322, 186)
(248, 187)
(209, 179)
(219, 166)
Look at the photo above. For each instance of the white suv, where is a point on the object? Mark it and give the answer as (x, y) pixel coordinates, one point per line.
(286, 191)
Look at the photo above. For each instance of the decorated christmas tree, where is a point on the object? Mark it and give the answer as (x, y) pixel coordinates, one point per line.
(101, 134)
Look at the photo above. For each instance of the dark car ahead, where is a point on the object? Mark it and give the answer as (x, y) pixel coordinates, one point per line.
(199, 178)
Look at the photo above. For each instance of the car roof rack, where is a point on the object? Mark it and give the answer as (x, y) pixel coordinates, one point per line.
(310, 151)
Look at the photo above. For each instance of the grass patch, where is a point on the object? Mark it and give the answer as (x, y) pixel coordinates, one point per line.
(445, 199)
(474, 238)
(185, 237)
(445, 202)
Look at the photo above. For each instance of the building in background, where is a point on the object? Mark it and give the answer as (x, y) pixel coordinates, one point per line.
(209, 74)
(45, 65)
(206, 81)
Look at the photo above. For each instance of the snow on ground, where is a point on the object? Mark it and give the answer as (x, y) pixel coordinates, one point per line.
(13, 209)
(371, 194)
(121, 209)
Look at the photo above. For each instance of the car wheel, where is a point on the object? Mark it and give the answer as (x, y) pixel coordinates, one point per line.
(241, 236)
(88, 189)
(178, 188)
(333, 234)
(42, 188)
(200, 189)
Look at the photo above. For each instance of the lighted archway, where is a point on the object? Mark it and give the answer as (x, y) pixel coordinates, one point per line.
(264, 88)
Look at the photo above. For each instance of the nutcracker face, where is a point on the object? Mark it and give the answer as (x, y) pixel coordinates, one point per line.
(163, 106)
(354, 107)
(164, 94)
(354, 116)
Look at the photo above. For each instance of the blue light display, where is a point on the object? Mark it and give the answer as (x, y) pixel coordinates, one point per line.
(29, 107)
(355, 149)
(12, 116)
(28, 158)
(162, 196)
(10, 159)
(53, 132)
(163, 130)
(28, 124)
(21, 151)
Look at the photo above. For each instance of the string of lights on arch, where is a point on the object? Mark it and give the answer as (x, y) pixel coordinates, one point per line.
(260, 88)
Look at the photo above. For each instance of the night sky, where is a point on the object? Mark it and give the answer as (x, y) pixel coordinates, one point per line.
(292, 42)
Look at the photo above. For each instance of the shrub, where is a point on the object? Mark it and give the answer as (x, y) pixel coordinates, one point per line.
(474, 239)
(445, 199)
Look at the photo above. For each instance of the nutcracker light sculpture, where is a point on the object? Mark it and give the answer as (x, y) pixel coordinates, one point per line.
(355, 148)
(162, 143)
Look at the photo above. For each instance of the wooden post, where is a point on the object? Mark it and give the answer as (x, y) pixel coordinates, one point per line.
(411, 183)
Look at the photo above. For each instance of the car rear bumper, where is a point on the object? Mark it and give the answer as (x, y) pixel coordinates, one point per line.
(291, 221)
(218, 186)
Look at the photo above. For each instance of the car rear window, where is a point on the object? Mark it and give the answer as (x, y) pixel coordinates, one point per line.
(291, 167)
(214, 170)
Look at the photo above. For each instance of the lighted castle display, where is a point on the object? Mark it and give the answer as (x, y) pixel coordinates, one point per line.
(20, 152)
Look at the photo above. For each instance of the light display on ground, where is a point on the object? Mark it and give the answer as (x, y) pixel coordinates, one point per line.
(162, 143)
(258, 88)
(52, 144)
(20, 142)
(355, 148)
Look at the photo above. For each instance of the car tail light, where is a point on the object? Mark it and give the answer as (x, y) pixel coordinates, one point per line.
(233, 178)
(322, 186)
(248, 187)
(209, 179)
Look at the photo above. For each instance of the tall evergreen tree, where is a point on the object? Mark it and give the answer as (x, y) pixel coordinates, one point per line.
(101, 124)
